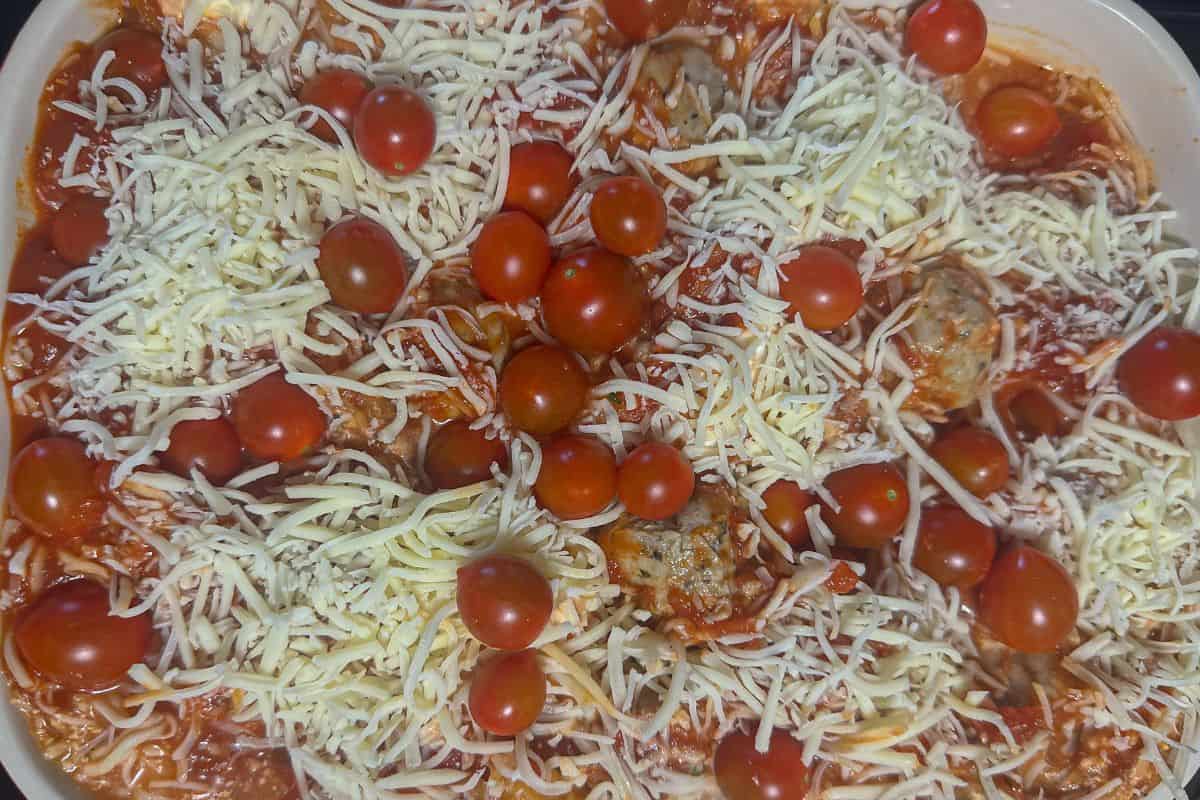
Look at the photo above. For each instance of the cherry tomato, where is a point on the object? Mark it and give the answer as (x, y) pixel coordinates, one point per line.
(80, 229)
(508, 692)
(874, 504)
(823, 287)
(1034, 414)
(210, 445)
(53, 489)
(578, 476)
(949, 36)
(138, 58)
(542, 389)
(341, 93)
(655, 481)
(395, 131)
(511, 257)
(786, 504)
(1029, 601)
(539, 179)
(69, 637)
(363, 267)
(504, 601)
(277, 420)
(594, 301)
(1017, 122)
(629, 216)
(459, 456)
(640, 20)
(953, 548)
(1161, 374)
(842, 580)
(975, 458)
(743, 773)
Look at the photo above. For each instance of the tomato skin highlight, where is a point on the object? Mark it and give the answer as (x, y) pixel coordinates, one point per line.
(1017, 122)
(873, 500)
(1161, 374)
(1029, 601)
(459, 456)
(508, 692)
(68, 636)
(948, 36)
(54, 490)
(594, 301)
(504, 601)
(953, 548)
(639, 20)
(138, 58)
(395, 131)
(80, 229)
(743, 773)
(341, 93)
(542, 389)
(786, 504)
(362, 266)
(628, 215)
(822, 286)
(539, 179)
(511, 257)
(975, 458)
(210, 445)
(655, 481)
(578, 477)
(276, 420)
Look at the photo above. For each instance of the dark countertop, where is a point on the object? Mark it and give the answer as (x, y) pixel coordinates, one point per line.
(1180, 17)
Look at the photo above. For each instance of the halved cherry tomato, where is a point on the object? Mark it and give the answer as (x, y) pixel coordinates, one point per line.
(655, 481)
(628, 215)
(1029, 601)
(539, 179)
(640, 20)
(578, 476)
(1161, 374)
(395, 131)
(1017, 122)
(822, 286)
(68, 636)
(542, 389)
(362, 266)
(511, 257)
(210, 445)
(1034, 414)
(594, 301)
(873, 501)
(975, 458)
(277, 420)
(54, 490)
(786, 504)
(138, 58)
(504, 601)
(459, 456)
(953, 548)
(508, 692)
(80, 229)
(743, 773)
(341, 93)
(949, 36)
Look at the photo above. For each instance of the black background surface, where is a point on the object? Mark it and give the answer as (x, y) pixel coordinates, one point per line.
(1180, 17)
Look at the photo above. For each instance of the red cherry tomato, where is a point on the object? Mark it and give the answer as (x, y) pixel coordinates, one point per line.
(1161, 374)
(743, 773)
(578, 476)
(873, 500)
(1029, 601)
(210, 445)
(395, 131)
(504, 601)
(1017, 122)
(842, 580)
(539, 179)
(640, 20)
(341, 93)
(949, 36)
(54, 490)
(1034, 414)
(629, 216)
(508, 692)
(594, 301)
(655, 481)
(786, 504)
(511, 257)
(823, 287)
(80, 229)
(952, 548)
(277, 420)
(975, 458)
(138, 58)
(68, 636)
(363, 267)
(459, 456)
(542, 389)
